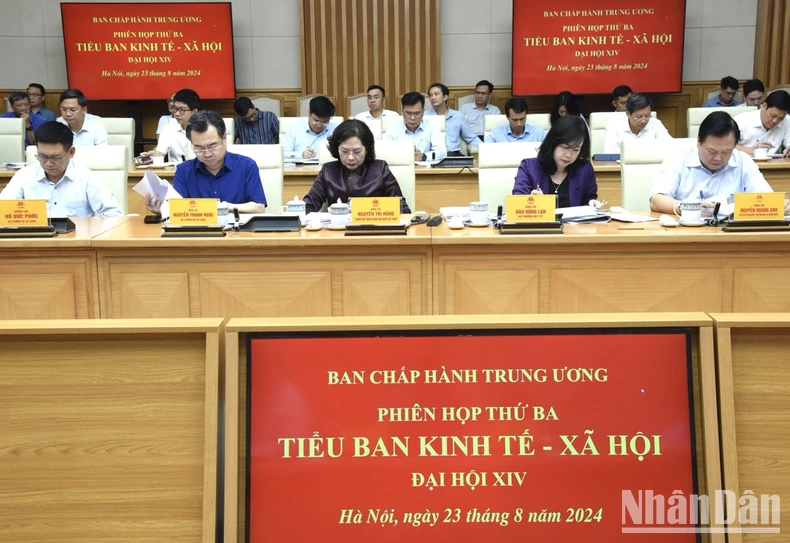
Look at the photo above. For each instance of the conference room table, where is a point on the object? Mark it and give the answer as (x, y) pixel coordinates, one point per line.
(124, 268)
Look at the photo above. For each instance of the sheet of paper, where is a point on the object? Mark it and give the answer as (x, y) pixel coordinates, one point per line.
(577, 211)
(161, 188)
(631, 217)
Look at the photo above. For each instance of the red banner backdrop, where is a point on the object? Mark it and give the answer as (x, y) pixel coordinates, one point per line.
(591, 47)
(465, 439)
(149, 51)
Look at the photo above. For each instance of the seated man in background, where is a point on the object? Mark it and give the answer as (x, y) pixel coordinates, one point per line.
(164, 119)
(712, 171)
(475, 112)
(768, 127)
(20, 108)
(456, 126)
(620, 96)
(413, 127)
(36, 94)
(753, 93)
(216, 173)
(377, 98)
(305, 139)
(726, 96)
(87, 129)
(71, 190)
(253, 126)
(173, 142)
(637, 123)
(517, 128)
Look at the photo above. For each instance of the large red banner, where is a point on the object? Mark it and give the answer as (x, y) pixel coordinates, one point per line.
(149, 51)
(494, 438)
(591, 47)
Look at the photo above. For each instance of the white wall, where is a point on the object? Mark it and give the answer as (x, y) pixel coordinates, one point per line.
(475, 40)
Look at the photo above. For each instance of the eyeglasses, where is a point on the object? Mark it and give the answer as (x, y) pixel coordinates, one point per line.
(211, 148)
(412, 114)
(34, 94)
(182, 110)
(318, 122)
(71, 110)
(351, 152)
(641, 117)
(57, 159)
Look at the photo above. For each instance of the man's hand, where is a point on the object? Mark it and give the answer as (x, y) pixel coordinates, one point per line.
(26, 117)
(417, 155)
(144, 158)
(152, 203)
(308, 153)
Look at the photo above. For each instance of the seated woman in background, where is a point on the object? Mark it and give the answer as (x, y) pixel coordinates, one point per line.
(356, 171)
(564, 104)
(562, 167)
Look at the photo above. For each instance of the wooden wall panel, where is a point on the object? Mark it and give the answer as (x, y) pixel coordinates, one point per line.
(348, 45)
(772, 43)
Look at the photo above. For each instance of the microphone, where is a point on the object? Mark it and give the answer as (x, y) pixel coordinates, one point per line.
(236, 218)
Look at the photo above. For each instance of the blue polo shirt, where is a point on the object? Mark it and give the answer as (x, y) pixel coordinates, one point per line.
(238, 182)
(36, 120)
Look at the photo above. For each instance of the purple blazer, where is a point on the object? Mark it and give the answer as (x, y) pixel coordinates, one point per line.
(581, 183)
(370, 179)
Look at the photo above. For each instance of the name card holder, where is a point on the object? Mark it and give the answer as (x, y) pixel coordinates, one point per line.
(28, 219)
(193, 231)
(272, 223)
(551, 227)
(376, 229)
(757, 226)
(758, 212)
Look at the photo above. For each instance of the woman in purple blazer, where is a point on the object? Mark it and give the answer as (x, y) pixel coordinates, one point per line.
(355, 173)
(563, 165)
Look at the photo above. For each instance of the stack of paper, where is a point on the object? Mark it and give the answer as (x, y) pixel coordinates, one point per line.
(160, 189)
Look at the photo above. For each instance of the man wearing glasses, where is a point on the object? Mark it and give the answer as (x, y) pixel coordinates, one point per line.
(173, 142)
(36, 95)
(86, 128)
(253, 126)
(20, 108)
(71, 190)
(636, 124)
(414, 128)
(305, 139)
(215, 173)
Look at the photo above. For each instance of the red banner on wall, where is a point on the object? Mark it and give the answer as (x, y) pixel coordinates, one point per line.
(592, 47)
(465, 438)
(149, 51)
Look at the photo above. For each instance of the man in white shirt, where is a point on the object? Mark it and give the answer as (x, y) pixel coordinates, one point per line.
(413, 127)
(753, 93)
(637, 123)
(86, 128)
(305, 139)
(71, 190)
(377, 98)
(173, 142)
(475, 113)
(713, 171)
(768, 127)
(620, 96)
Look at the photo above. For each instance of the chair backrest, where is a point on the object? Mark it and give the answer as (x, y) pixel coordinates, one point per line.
(542, 120)
(639, 162)
(12, 140)
(230, 129)
(357, 104)
(120, 131)
(462, 99)
(785, 88)
(714, 93)
(324, 155)
(399, 156)
(288, 122)
(303, 103)
(695, 116)
(264, 102)
(598, 122)
(492, 121)
(270, 165)
(497, 167)
(438, 122)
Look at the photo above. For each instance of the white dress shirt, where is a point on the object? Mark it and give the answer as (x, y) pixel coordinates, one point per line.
(753, 131)
(173, 143)
(425, 138)
(618, 130)
(476, 117)
(91, 133)
(366, 116)
(79, 193)
(682, 176)
(300, 136)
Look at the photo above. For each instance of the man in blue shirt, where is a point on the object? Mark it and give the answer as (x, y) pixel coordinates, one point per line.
(36, 94)
(456, 125)
(20, 108)
(726, 97)
(517, 128)
(215, 173)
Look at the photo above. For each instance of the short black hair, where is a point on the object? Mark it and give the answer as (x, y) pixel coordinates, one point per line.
(442, 87)
(55, 132)
(412, 99)
(322, 107)
(188, 97)
(780, 99)
(620, 91)
(565, 98)
(39, 86)
(202, 120)
(486, 83)
(638, 101)
(751, 86)
(68, 94)
(378, 87)
(16, 97)
(718, 124)
(352, 128)
(568, 130)
(729, 82)
(242, 105)
(515, 104)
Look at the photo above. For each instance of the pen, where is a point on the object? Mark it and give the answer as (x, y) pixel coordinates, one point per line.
(701, 195)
